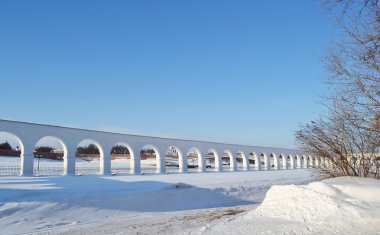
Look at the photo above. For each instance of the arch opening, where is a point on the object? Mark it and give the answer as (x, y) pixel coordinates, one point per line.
(194, 160)
(282, 161)
(311, 162)
(228, 161)
(49, 155)
(121, 154)
(305, 161)
(298, 162)
(274, 162)
(302, 162)
(11, 151)
(211, 161)
(241, 161)
(150, 160)
(290, 162)
(264, 162)
(87, 157)
(254, 161)
(173, 160)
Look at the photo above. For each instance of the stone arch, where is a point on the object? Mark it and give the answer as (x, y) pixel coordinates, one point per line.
(257, 162)
(159, 163)
(121, 160)
(51, 161)
(290, 162)
(17, 139)
(282, 161)
(311, 161)
(12, 165)
(195, 160)
(299, 162)
(244, 163)
(264, 159)
(174, 154)
(217, 161)
(90, 163)
(275, 163)
(231, 162)
(305, 161)
(182, 160)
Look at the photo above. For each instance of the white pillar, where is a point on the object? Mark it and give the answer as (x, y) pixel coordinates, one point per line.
(160, 161)
(246, 162)
(201, 163)
(69, 164)
(258, 162)
(233, 163)
(292, 163)
(27, 159)
(285, 162)
(266, 162)
(135, 165)
(105, 164)
(182, 162)
(247, 167)
(305, 162)
(276, 162)
(218, 163)
(27, 164)
(299, 162)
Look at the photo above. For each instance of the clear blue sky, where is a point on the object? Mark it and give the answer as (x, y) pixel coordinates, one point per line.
(246, 72)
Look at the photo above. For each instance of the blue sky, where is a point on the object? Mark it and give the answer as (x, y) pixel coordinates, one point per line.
(246, 72)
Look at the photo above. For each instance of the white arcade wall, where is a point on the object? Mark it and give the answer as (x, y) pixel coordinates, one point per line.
(28, 134)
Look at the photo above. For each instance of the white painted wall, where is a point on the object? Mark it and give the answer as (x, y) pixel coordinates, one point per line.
(29, 134)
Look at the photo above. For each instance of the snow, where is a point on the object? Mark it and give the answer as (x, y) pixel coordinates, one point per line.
(11, 166)
(343, 205)
(255, 202)
(170, 203)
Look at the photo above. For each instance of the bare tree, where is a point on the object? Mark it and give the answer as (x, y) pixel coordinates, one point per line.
(347, 140)
(353, 63)
(343, 146)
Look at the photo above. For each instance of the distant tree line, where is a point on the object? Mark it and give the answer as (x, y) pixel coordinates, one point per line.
(147, 151)
(119, 149)
(6, 146)
(44, 149)
(93, 149)
(89, 149)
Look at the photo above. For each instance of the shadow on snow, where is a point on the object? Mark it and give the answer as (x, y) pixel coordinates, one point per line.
(112, 194)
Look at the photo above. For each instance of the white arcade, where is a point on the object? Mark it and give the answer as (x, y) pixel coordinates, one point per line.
(208, 156)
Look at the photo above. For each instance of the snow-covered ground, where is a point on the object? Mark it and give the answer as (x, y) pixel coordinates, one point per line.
(11, 166)
(145, 204)
(194, 203)
(344, 205)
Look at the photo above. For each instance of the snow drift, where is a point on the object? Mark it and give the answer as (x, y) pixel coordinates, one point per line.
(345, 205)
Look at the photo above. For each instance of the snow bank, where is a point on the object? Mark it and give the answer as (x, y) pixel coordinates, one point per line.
(343, 205)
